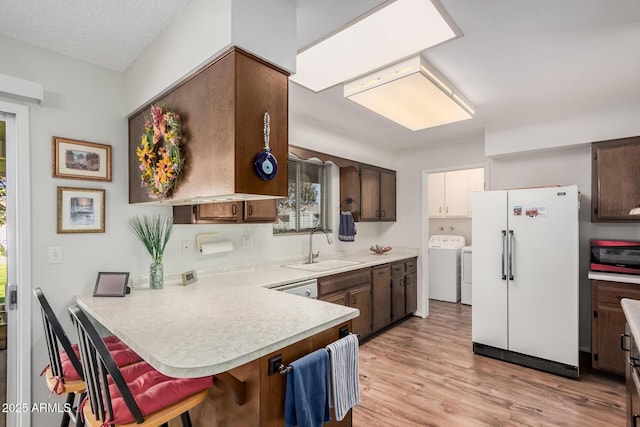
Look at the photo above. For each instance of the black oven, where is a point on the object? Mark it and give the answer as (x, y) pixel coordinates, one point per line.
(615, 256)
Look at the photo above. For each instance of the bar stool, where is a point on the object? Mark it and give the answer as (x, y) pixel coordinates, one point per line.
(64, 373)
(135, 395)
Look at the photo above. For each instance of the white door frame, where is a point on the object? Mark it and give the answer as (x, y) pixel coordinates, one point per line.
(424, 244)
(19, 242)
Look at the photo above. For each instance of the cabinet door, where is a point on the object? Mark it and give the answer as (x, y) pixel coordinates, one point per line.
(411, 292)
(608, 323)
(381, 296)
(222, 212)
(436, 195)
(397, 298)
(387, 196)
(456, 187)
(615, 179)
(360, 298)
(609, 356)
(369, 194)
(261, 210)
(476, 183)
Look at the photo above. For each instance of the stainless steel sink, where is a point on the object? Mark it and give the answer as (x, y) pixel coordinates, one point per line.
(324, 265)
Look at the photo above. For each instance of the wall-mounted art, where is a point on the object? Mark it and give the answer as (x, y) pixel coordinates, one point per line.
(80, 210)
(81, 160)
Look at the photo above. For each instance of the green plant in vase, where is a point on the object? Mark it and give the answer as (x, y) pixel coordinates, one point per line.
(154, 232)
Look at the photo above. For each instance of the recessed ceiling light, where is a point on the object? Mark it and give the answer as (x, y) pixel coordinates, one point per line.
(401, 29)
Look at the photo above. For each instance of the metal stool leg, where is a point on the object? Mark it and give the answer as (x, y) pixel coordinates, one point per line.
(66, 417)
(186, 419)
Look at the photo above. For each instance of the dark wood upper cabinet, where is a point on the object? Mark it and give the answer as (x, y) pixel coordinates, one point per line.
(615, 181)
(260, 211)
(222, 109)
(371, 190)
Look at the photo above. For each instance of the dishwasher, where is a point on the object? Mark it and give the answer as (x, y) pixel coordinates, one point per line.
(305, 288)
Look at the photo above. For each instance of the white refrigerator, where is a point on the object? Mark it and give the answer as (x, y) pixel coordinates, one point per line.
(525, 277)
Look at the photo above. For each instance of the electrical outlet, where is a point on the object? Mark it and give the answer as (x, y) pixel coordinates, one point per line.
(186, 246)
(55, 254)
(247, 241)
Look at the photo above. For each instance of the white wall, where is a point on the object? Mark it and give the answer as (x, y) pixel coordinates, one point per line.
(411, 229)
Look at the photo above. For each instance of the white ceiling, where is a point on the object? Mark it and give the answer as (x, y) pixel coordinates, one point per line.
(518, 62)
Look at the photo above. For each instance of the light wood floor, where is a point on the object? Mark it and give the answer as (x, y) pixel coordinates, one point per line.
(423, 373)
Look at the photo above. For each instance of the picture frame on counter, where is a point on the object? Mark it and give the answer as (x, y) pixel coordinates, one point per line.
(111, 284)
(81, 210)
(76, 159)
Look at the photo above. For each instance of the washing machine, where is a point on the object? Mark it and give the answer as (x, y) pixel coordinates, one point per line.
(444, 267)
(465, 275)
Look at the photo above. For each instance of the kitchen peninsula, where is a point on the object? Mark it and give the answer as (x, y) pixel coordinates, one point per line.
(229, 325)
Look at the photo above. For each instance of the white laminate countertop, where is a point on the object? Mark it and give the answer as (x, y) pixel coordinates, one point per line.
(631, 310)
(615, 277)
(224, 320)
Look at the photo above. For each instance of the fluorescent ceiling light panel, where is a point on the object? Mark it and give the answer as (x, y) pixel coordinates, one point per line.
(410, 93)
(401, 29)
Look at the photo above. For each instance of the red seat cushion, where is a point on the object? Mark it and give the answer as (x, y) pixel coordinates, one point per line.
(152, 391)
(121, 353)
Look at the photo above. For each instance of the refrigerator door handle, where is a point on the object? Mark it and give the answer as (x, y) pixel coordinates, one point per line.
(504, 242)
(510, 254)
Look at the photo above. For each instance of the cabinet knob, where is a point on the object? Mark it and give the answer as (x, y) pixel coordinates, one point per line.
(234, 209)
(250, 209)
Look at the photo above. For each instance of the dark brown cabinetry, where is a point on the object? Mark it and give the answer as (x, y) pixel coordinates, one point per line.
(372, 192)
(404, 288)
(615, 181)
(384, 294)
(352, 289)
(607, 324)
(381, 296)
(227, 212)
(222, 109)
(377, 194)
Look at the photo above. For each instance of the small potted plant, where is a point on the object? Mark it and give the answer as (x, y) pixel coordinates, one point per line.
(154, 232)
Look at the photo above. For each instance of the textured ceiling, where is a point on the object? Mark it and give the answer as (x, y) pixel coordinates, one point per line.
(110, 33)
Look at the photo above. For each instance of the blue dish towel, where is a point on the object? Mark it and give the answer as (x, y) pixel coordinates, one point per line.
(345, 383)
(347, 230)
(306, 401)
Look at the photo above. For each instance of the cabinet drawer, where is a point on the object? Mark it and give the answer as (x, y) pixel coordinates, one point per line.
(612, 294)
(411, 266)
(397, 269)
(345, 280)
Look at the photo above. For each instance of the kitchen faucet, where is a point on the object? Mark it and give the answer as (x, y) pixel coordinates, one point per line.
(313, 256)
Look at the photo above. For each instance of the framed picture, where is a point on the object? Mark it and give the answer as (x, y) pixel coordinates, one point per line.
(80, 210)
(111, 285)
(81, 160)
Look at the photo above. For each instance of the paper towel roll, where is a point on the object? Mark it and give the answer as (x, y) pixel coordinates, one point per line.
(215, 248)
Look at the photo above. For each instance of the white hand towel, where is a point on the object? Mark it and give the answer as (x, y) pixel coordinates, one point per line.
(345, 382)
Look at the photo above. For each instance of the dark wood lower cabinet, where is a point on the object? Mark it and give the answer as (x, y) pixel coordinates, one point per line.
(384, 294)
(352, 289)
(265, 394)
(381, 295)
(607, 324)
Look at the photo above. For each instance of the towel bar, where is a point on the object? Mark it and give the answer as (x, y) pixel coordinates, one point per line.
(284, 370)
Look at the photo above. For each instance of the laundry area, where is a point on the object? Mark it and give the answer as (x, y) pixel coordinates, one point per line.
(450, 246)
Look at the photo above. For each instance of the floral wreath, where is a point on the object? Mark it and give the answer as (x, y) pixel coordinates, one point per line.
(159, 152)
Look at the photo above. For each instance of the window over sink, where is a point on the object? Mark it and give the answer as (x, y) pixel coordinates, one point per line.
(306, 206)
